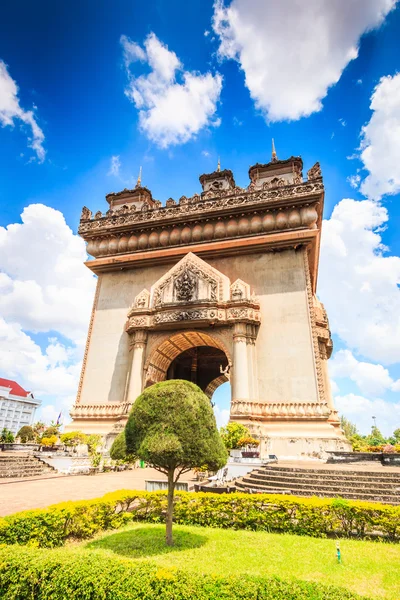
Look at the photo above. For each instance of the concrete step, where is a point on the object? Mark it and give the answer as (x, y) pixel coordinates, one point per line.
(330, 472)
(359, 483)
(322, 493)
(19, 465)
(314, 487)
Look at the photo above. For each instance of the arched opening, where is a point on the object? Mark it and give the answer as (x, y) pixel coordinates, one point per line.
(192, 355)
(202, 365)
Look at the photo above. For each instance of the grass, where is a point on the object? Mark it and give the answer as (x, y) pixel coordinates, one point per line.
(368, 568)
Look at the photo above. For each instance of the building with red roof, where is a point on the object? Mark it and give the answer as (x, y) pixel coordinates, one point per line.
(17, 406)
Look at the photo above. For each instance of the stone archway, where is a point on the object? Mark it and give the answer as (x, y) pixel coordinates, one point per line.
(192, 355)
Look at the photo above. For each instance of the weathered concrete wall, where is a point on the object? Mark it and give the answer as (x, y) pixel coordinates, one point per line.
(285, 362)
(107, 364)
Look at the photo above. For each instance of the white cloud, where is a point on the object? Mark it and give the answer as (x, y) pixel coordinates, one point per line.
(354, 181)
(221, 416)
(371, 379)
(10, 109)
(292, 51)
(115, 166)
(380, 147)
(170, 112)
(360, 410)
(205, 153)
(44, 287)
(41, 270)
(52, 374)
(358, 281)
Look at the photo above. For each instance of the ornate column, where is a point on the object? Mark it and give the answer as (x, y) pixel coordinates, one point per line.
(240, 387)
(136, 375)
(252, 362)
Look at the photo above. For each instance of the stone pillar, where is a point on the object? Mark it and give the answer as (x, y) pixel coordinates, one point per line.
(252, 362)
(240, 383)
(136, 376)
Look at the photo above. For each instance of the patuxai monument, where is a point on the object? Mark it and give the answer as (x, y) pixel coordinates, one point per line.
(217, 287)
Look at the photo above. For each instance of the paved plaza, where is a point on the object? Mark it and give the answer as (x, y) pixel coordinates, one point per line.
(28, 494)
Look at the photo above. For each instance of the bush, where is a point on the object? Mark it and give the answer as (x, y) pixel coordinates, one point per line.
(315, 517)
(73, 438)
(6, 436)
(248, 441)
(26, 434)
(31, 573)
(49, 441)
(52, 526)
(232, 433)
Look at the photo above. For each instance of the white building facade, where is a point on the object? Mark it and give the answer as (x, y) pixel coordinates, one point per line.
(17, 406)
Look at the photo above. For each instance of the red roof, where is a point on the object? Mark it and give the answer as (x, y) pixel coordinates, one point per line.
(16, 389)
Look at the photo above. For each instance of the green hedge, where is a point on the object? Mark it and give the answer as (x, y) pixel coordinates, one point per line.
(316, 517)
(57, 575)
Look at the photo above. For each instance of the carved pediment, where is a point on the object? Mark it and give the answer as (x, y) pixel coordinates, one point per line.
(142, 300)
(240, 290)
(193, 291)
(190, 280)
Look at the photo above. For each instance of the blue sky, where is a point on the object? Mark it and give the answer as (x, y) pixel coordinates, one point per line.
(101, 80)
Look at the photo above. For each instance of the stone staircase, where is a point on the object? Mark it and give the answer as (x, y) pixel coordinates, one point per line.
(362, 484)
(23, 464)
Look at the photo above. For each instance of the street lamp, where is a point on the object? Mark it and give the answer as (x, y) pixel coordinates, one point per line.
(374, 420)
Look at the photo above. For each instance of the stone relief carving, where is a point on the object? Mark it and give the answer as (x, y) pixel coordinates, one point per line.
(240, 290)
(86, 214)
(201, 282)
(193, 281)
(314, 172)
(142, 300)
(297, 410)
(185, 286)
(210, 203)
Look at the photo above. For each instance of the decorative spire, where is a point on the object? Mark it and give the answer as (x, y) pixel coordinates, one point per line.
(274, 156)
(219, 165)
(139, 179)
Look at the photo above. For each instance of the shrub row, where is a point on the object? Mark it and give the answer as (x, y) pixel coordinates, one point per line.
(315, 517)
(31, 573)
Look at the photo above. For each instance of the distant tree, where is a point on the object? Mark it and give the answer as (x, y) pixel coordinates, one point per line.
(375, 438)
(94, 442)
(26, 434)
(7, 436)
(51, 430)
(349, 429)
(38, 429)
(73, 438)
(232, 433)
(172, 427)
(396, 435)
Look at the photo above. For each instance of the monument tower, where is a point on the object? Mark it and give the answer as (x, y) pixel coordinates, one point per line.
(216, 287)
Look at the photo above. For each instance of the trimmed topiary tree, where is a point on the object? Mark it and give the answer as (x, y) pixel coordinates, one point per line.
(118, 448)
(172, 427)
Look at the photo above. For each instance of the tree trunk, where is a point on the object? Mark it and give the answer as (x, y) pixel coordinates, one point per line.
(170, 508)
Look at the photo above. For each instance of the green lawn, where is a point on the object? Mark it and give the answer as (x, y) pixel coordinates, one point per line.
(369, 568)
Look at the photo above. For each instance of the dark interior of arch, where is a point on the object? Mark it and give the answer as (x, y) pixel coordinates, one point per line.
(201, 365)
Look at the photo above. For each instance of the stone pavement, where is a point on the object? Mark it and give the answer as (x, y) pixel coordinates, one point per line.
(25, 495)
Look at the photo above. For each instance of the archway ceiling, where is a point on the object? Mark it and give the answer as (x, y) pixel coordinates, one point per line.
(178, 343)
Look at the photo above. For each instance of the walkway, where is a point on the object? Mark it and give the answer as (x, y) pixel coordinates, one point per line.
(25, 495)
